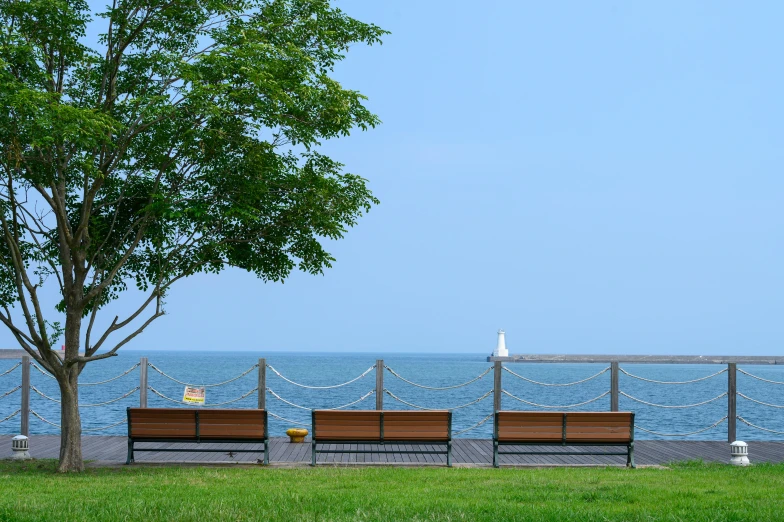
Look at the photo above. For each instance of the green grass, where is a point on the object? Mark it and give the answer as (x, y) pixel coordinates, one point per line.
(690, 491)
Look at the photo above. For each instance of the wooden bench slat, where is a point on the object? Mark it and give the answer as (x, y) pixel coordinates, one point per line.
(563, 428)
(366, 426)
(227, 425)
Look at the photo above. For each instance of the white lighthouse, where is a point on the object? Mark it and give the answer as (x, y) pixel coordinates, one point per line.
(500, 349)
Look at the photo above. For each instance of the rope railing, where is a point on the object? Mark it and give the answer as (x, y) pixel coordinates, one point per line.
(556, 407)
(368, 394)
(9, 392)
(424, 384)
(321, 387)
(42, 371)
(101, 428)
(288, 420)
(45, 396)
(556, 383)
(12, 368)
(760, 402)
(175, 401)
(483, 397)
(758, 377)
(14, 414)
(475, 426)
(126, 372)
(679, 406)
(744, 421)
(682, 434)
(35, 414)
(240, 376)
(127, 394)
(58, 401)
(671, 382)
(393, 372)
(124, 421)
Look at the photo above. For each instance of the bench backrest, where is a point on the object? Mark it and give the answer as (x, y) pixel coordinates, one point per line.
(549, 426)
(199, 424)
(375, 425)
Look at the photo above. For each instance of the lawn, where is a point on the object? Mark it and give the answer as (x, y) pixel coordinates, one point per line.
(689, 491)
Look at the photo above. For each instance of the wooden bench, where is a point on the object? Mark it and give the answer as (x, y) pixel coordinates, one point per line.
(332, 427)
(197, 425)
(546, 428)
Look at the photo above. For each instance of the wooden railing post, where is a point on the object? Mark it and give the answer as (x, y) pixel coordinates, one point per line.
(732, 397)
(143, 382)
(262, 384)
(380, 384)
(497, 386)
(614, 386)
(24, 420)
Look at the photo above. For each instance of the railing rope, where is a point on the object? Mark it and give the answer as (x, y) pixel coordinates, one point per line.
(475, 426)
(681, 434)
(14, 414)
(12, 368)
(677, 406)
(550, 406)
(43, 419)
(483, 397)
(42, 371)
(760, 402)
(288, 420)
(393, 372)
(175, 401)
(744, 421)
(671, 382)
(240, 376)
(126, 372)
(555, 383)
(321, 387)
(9, 392)
(45, 396)
(759, 378)
(368, 394)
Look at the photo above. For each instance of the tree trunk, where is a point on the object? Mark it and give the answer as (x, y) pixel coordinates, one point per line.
(70, 427)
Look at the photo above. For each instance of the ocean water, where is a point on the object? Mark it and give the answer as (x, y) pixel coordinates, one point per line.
(437, 370)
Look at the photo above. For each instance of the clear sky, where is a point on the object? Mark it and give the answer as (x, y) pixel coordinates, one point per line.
(593, 177)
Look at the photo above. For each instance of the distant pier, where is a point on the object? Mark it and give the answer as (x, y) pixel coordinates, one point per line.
(639, 359)
(18, 354)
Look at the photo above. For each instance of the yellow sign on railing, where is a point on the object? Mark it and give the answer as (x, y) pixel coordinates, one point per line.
(193, 395)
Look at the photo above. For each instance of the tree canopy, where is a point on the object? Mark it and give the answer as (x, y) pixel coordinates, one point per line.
(187, 140)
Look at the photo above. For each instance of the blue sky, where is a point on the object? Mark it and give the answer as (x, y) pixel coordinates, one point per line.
(593, 177)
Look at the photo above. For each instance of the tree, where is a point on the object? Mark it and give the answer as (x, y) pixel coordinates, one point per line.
(187, 142)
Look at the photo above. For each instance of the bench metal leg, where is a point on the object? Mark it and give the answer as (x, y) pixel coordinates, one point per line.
(495, 453)
(313, 453)
(630, 456)
(449, 454)
(130, 452)
(266, 452)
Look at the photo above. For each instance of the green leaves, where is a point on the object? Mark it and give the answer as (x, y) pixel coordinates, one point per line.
(169, 150)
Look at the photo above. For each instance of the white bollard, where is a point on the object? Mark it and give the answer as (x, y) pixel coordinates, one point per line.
(20, 446)
(740, 453)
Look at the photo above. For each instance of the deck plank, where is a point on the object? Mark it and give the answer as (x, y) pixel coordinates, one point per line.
(113, 449)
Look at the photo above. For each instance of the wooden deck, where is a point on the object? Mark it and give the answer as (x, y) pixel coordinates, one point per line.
(111, 450)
